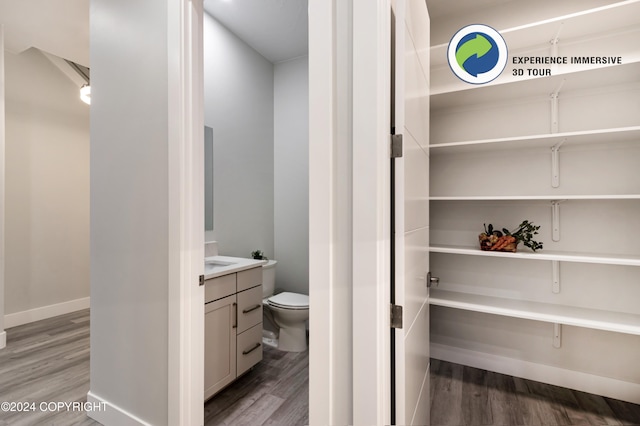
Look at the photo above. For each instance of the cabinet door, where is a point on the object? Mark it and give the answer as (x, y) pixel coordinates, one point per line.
(219, 344)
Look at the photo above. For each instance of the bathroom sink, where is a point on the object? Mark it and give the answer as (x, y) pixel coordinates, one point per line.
(218, 263)
(215, 265)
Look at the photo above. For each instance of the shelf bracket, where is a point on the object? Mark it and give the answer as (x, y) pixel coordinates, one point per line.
(557, 335)
(555, 266)
(554, 44)
(555, 220)
(555, 164)
(554, 107)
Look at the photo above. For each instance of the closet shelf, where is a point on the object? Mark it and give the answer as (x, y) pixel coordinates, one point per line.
(552, 197)
(560, 314)
(617, 135)
(506, 89)
(577, 257)
(605, 19)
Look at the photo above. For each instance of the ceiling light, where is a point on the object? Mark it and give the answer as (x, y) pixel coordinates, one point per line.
(85, 94)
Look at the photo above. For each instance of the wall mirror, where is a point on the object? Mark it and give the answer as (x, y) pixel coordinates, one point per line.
(208, 178)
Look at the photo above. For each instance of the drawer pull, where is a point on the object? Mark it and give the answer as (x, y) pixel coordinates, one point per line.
(247, 352)
(235, 309)
(253, 308)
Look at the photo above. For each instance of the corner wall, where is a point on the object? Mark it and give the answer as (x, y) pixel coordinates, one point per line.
(291, 174)
(131, 225)
(238, 101)
(3, 334)
(47, 191)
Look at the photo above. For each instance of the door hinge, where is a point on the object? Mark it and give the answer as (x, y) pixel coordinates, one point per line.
(396, 316)
(396, 146)
(201, 279)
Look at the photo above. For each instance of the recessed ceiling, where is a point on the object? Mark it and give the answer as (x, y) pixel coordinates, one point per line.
(277, 29)
(60, 27)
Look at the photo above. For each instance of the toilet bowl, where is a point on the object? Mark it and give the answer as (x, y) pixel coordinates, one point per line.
(289, 312)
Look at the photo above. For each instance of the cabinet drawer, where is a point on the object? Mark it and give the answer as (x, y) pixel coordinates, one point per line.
(249, 308)
(217, 288)
(249, 348)
(249, 278)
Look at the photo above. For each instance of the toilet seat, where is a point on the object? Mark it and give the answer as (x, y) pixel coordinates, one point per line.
(287, 300)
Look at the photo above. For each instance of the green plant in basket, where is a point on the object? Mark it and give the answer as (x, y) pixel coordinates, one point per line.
(494, 240)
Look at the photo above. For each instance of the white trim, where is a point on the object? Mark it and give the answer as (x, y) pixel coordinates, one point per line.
(107, 413)
(323, 73)
(44, 312)
(185, 347)
(371, 211)
(585, 382)
(3, 339)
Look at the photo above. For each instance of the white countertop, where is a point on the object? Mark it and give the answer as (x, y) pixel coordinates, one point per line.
(217, 266)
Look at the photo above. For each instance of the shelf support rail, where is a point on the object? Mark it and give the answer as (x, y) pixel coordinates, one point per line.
(555, 284)
(555, 163)
(557, 335)
(554, 44)
(554, 107)
(555, 219)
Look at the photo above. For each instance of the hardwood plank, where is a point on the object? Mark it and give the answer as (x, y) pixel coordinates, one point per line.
(47, 361)
(627, 414)
(258, 412)
(475, 397)
(503, 400)
(280, 380)
(517, 402)
(446, 394)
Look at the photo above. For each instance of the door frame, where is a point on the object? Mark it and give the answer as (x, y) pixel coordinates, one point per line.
(349, 274)
(185, 347)
(349, 207)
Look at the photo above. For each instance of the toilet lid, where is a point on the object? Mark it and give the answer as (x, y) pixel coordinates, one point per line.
(288, 300)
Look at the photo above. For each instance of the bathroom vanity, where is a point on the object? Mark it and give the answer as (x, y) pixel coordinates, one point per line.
(232, 320)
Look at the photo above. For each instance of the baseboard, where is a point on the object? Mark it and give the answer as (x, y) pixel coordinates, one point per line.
(44, 312)
(107, 413)
(598, 385)
(3, 339)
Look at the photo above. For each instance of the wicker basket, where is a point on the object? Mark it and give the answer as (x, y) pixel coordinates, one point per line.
(489, 243)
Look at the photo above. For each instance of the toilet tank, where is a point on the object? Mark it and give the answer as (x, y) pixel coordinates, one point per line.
(268, 278)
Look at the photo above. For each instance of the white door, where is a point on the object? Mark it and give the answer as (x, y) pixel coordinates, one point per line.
(411, 207)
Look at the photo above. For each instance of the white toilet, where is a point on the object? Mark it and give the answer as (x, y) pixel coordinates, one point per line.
(290, 311)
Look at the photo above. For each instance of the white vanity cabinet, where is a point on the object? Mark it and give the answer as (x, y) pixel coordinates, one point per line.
(562, 151)
(232, 327)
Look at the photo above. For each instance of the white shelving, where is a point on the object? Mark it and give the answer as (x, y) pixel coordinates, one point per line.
(563, 151)
(587, 137)
(567, 315)
(536, 197)
(599, 258)
(605, 19)
(506, 88)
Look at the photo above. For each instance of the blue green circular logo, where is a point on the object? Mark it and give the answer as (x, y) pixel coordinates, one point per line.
(477, 54)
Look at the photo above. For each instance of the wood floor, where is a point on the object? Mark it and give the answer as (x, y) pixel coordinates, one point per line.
(465, 396)
(48, 361)
(275, 392)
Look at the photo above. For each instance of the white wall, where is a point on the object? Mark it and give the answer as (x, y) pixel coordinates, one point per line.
(291, 174)
(132, 65)
(238, 99)
(3, 335)
(47, 187)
